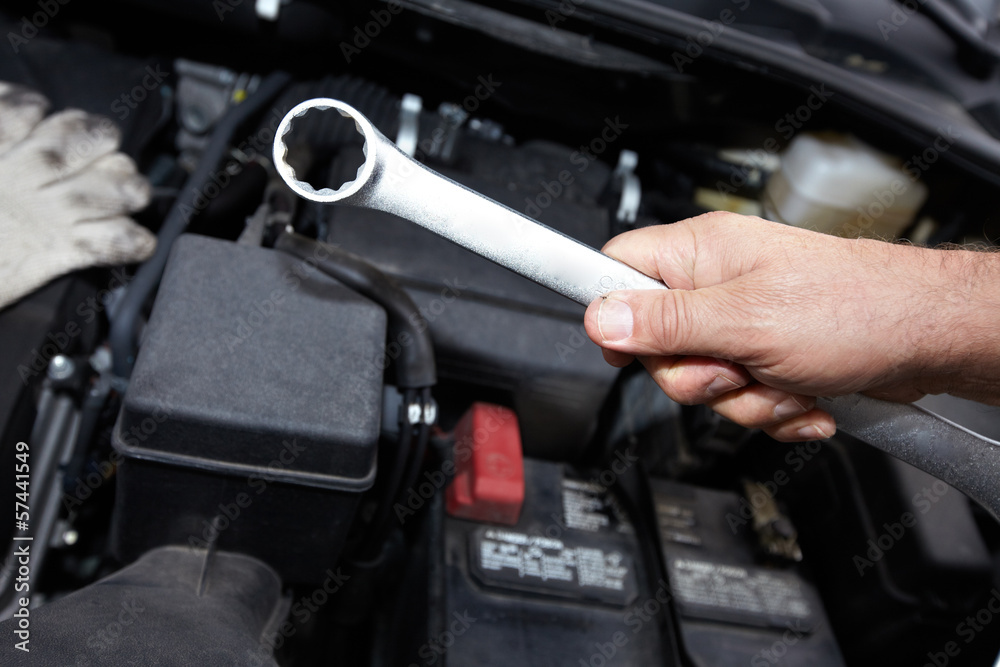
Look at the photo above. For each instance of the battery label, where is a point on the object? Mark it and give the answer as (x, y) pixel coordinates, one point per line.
(511, 559)
(748, 595)
(588, 506)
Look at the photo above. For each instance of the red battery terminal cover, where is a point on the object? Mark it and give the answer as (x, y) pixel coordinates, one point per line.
(489, 466)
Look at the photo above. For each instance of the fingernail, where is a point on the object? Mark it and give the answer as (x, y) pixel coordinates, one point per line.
(614, 320)
(720, 385)
(789, 408)
(812, 432)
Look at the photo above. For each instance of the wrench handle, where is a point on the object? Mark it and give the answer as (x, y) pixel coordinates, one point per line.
(968, 461)
(408, 189)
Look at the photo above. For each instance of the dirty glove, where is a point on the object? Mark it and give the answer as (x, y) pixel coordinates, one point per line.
(65, 193)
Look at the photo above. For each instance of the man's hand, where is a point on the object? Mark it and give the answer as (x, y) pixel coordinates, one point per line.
(764, 317)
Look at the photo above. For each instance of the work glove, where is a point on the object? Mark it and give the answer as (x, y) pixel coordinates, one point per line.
(65, 194)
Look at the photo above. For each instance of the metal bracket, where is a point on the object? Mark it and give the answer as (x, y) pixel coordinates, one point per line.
(409, 123)
(631, 188)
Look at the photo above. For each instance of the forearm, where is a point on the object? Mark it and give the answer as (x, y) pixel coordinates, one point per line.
(958, 339)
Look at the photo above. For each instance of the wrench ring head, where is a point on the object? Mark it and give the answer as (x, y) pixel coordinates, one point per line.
(304, 189)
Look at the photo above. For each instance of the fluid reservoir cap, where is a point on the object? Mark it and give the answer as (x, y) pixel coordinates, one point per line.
(489, 466)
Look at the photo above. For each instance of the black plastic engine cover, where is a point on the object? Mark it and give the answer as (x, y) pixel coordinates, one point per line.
(253, 413)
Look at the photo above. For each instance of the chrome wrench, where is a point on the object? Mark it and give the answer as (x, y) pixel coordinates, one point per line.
(392, 182)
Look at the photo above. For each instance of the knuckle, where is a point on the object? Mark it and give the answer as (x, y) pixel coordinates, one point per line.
(668, 319)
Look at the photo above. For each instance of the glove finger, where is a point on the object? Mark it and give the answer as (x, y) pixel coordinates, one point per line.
(62, 145)
(21, 109)
(112, 241)
(110, 187)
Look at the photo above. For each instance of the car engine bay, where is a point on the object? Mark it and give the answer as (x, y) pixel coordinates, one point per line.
(309, 434)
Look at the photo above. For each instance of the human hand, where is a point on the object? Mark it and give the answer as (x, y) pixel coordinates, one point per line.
(65, 194)
(765, 317)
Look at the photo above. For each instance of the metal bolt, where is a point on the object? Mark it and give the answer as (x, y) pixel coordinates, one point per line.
(61, 367)
(430, 413)
(413, 413)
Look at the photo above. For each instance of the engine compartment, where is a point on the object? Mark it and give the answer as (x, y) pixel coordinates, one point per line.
(276, 456)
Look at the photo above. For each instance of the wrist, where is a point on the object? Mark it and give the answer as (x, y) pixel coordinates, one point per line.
(958, 327)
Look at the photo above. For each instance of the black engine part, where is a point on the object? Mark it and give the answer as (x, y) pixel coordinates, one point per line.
(266, 426)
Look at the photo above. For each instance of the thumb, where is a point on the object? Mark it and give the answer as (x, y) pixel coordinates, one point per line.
(673, 322)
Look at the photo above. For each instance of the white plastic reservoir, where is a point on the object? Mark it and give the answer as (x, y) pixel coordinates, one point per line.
(839, 185)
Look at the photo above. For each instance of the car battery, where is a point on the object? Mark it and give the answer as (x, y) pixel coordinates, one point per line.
(733, 607)
(564, 585)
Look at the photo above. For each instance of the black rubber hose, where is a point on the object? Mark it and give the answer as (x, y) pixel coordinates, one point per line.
(380, 528)
(124, 322)
(371, 544)
(409, 348)
(417, 460)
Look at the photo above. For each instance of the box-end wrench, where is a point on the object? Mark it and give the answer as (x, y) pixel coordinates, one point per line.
(392, 182)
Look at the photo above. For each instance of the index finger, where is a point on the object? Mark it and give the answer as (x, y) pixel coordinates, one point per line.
(698, 252)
